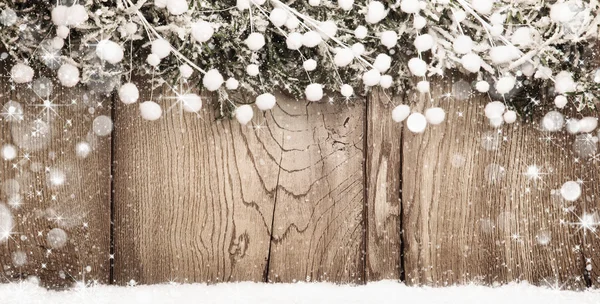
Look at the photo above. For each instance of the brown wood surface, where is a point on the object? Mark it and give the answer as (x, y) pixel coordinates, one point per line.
(471, 214)
(193, 197)
(318, 217)
(306, 192)
(80, 207)
(383, 169)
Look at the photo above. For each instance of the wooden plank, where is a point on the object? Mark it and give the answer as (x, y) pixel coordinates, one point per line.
(383, 169)
(584, 154)
(193, 196)
(41, 203)
(472, 214)
(318, 221)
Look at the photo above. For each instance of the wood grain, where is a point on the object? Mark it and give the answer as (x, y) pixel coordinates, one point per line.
(318, 217)
(383, 169)
(472, 214)
(80, 206)
(193, 197)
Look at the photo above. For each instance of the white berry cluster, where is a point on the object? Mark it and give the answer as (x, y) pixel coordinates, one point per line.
(310, 47)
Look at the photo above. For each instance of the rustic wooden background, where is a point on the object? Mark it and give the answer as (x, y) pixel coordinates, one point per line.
(307, 192)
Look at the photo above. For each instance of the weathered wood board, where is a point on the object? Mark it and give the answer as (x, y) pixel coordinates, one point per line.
(306, 192)
(318, 217)
(474, 209)
(193, 197)
(383, 176)
(60, 203)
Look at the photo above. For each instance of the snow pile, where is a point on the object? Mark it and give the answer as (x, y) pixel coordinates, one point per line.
(379, 292)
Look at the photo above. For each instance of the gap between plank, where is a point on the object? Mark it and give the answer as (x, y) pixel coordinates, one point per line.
(402, 271)
(365, 212)
(268, 266)
(111, 257)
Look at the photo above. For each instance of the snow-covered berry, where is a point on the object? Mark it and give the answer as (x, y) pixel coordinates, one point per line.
(21, 73)
(435, 116)
(110, 51)
(212, 80)
(314, 92)
(389, 39)
(232, 84)
(382, 62)
(416, 123)
(244, 114)
(161, 47)
(417, 67)
(265, 101)
(371, 77)
(255, 41)
(202, 31)
(400, 113)
(68, 75)
(129, 93)
(150, 110)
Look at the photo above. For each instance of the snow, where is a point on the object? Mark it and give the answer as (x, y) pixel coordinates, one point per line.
(247, 292)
